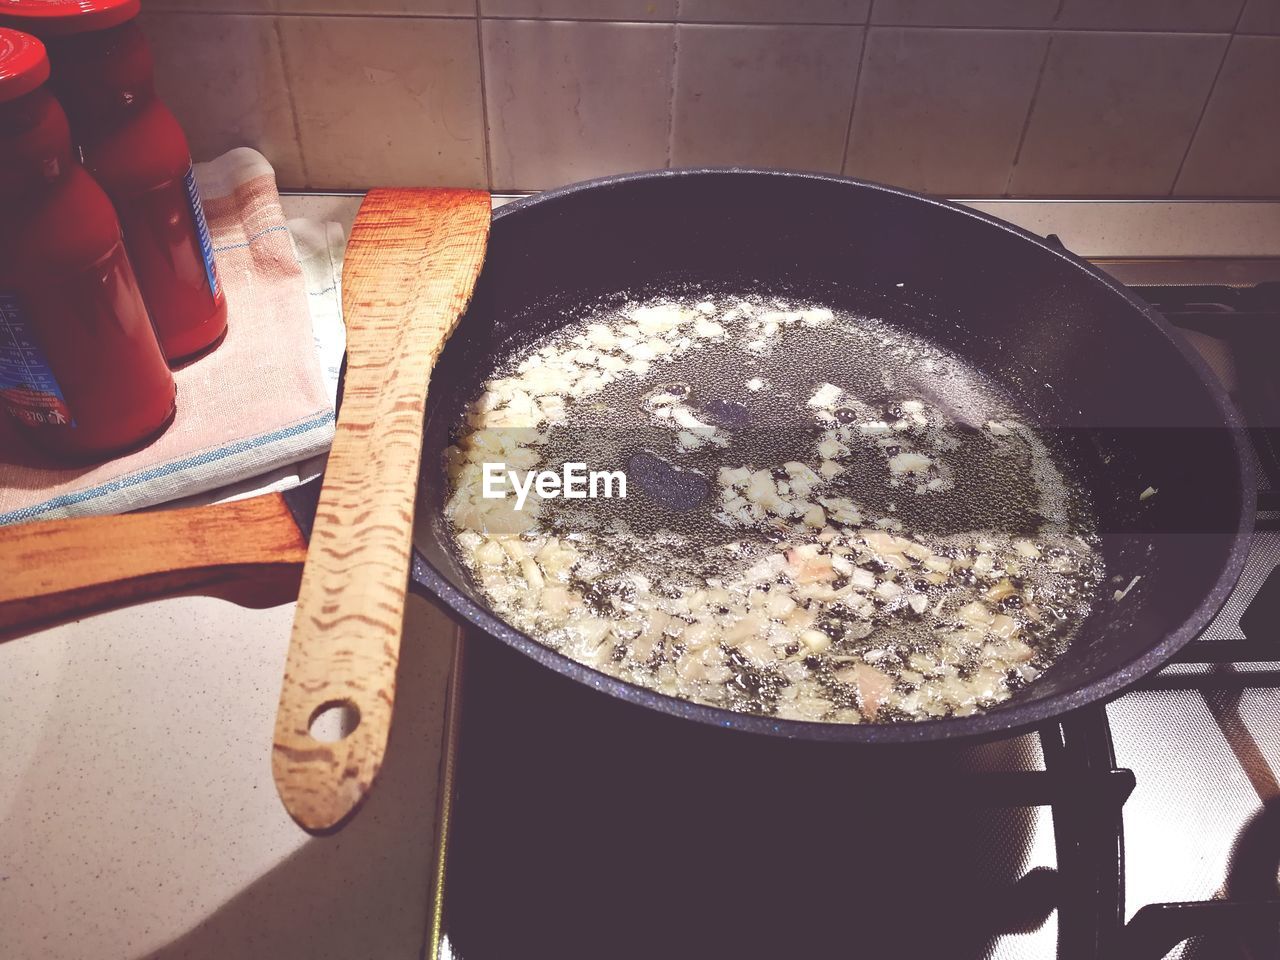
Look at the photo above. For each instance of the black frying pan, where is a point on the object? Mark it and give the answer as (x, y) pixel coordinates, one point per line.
(1100, 370)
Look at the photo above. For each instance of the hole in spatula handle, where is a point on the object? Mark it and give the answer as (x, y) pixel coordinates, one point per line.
(334, 720)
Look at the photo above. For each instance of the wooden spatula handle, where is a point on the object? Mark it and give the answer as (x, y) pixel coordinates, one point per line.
(59, 570)
(409, 270)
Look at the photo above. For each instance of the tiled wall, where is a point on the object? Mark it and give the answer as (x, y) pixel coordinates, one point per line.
(957, 97)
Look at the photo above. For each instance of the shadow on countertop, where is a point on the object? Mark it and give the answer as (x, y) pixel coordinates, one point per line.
(364, 891)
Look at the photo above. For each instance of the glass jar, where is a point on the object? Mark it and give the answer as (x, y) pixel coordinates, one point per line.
(80, 366)
(102, 72)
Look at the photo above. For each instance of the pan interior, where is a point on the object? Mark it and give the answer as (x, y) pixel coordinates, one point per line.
(781, 379)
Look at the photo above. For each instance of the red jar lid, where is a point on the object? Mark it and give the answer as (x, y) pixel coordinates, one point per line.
(49, 18)
(23, 64)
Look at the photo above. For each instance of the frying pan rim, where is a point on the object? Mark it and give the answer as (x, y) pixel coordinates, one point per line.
(1002, 721)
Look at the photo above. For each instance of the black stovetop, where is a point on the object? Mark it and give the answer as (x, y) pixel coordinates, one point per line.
(633, 834)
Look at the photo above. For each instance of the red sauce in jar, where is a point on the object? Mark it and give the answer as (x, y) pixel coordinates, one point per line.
(80, 367)
(134, 147)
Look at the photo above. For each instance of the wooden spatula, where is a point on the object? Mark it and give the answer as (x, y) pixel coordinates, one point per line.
(409, 271)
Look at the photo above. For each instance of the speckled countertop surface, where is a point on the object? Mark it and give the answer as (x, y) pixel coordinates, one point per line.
(138, 818)
(139, 814)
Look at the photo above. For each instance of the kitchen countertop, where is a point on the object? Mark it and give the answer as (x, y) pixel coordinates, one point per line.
(139, 814)
(138, 817)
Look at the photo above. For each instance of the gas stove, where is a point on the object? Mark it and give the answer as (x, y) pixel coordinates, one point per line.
(1145, 828)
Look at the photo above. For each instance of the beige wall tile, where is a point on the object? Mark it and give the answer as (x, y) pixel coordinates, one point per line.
(224, 78)
(1260, 16)
(942, 110)
(421, 8)
(1204, 15)
(387, 101)
(581, 9)
(966, 13)
(773, 11)
(1114, 113)
(769, 96)
(568, 101)
(1236, 151)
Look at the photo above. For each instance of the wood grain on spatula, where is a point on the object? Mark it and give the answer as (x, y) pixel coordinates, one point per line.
(410, 267)
(250, 552)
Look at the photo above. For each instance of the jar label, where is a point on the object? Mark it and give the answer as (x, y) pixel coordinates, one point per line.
(202, 231)
(28, 388)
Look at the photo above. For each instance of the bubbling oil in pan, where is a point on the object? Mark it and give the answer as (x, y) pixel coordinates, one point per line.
(827, 517)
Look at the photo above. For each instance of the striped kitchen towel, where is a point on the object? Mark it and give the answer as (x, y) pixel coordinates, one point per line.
(259, 402)
(319, 247)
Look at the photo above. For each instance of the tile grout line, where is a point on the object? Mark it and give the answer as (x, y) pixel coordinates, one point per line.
(1240, 15)
(671, 95)
(857, 83)
(1204, 108)
(293, 106)
(484, 105)
(762, 24)
(1035, 96)
(1026, 121)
